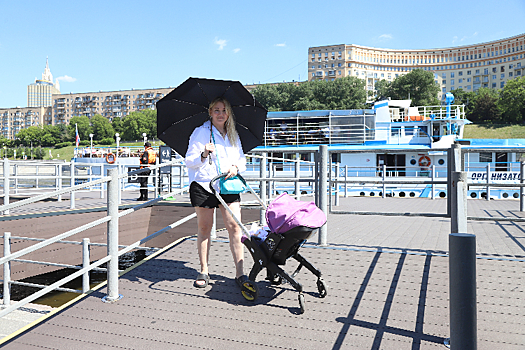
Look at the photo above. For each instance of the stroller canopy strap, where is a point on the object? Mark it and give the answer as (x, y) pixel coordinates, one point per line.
(286, 213)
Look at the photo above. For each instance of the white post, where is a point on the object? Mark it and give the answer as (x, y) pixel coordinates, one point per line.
(7, 269)
(488, 182)
(72, 183)
(384, 185)
(91, 148)
(6, 184)
(433, 178)
(112, 238)
(346, 179)
(297, 176)
(59, 179)
(85, 263)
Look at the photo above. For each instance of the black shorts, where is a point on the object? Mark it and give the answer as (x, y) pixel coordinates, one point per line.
(201, 198)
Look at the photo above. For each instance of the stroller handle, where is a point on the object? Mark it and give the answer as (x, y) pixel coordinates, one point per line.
(224, 175)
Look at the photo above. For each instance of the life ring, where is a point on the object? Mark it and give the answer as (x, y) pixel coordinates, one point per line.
(110, 158)
(424, 161)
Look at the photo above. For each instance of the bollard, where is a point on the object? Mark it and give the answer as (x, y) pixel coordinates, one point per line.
(85, 263)
(213, 232)
(7, 270)
(323, 191)
(112, 239)
(522, 193)
(462, 289)
(6, 184)
(316, 176)
(263, 188)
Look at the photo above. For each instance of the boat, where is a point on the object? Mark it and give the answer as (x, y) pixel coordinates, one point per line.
(394, 140)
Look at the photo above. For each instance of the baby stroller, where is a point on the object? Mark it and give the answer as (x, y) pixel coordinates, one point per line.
(291, 223)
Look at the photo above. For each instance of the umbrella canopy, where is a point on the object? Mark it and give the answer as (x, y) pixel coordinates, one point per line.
(186, 107)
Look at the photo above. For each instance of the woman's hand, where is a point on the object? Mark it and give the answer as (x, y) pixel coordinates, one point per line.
(208, 148)
(232, 172)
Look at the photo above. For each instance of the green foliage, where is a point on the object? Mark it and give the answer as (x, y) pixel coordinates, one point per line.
(84, 128)
(344, 93)
(107, 141)
(137, 123)
(418, 85)
(64, 144)
(117, 124)
(512, 101)
(485, 108)
(102, 128)
(382, 87)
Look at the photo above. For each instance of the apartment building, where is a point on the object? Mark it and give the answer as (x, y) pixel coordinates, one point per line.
(12, 120)
(469, 67)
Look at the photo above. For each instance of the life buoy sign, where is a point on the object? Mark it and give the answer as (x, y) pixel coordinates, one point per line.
(110, 158)
(424, 161)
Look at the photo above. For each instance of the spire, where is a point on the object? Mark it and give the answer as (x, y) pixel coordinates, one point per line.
(47, 76)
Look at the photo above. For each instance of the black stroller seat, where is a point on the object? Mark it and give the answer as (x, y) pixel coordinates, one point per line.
(272, 252)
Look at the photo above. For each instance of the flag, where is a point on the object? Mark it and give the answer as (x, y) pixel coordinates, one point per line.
(77, 138)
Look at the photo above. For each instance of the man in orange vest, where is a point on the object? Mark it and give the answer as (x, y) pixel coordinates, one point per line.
(147, 158)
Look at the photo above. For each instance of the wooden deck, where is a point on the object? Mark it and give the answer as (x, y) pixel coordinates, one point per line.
(387, 283)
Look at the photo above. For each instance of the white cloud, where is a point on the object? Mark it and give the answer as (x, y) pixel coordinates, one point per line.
(385, 37)
(236, 50)
(466, 37)
(220, 42)
(67, 79)
(281, 45)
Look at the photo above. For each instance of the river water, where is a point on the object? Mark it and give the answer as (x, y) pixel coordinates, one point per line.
(56, 299)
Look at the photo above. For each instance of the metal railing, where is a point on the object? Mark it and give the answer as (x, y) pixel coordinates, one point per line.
(113, 252)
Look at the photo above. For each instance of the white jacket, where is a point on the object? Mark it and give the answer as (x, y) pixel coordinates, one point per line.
(201, 171)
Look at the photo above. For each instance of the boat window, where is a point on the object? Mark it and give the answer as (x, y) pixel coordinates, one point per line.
(396, 131)
(485, 157)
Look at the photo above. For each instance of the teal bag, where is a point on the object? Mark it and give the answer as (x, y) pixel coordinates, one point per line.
(233, 185)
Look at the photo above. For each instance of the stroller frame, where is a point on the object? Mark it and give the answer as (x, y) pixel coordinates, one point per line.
(275, 250)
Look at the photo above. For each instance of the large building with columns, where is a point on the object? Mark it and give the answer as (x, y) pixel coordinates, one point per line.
(469, 67)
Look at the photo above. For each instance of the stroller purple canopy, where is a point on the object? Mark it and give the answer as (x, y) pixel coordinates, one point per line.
(286, 213)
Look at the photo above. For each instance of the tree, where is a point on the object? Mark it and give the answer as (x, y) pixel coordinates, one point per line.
(383, 89)
(485, 107)
(137, 123)
(419, 85)
(512, 101)
(84, 128)
(116, 123)
(101, 127)
(32, 134)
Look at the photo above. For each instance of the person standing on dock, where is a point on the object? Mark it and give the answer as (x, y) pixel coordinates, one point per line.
(147, 158)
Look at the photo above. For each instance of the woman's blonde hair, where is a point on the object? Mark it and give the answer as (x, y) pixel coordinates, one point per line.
(230, 123)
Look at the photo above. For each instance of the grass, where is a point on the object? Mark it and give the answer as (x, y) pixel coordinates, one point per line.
(475, 131)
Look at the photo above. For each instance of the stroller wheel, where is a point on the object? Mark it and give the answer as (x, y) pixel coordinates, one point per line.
(301, 303)
(249, 290)
(321, 287)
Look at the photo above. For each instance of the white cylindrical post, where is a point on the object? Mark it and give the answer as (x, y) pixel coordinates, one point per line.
(433, 178)
(112, 238)
(297, 176)
(85, 263)
(384, 178)
(59, 179)
(323, 191)
(7, 269)
(72, 183)
(6, 184)
(346, 179)
(488, 182)
(337, 169)
(522, 192)
(263, 188)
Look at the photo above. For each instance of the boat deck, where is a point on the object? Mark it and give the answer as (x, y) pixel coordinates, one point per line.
(387, 283)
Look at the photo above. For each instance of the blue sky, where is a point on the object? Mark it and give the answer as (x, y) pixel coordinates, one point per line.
(119, 45)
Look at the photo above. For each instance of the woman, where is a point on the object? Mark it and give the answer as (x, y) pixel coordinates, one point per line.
(204, 151)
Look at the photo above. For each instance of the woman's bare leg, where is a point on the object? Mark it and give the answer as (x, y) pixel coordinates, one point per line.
(235, 234)
(204, 226)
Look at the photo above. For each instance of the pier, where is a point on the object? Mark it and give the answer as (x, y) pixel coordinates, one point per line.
(388, 288)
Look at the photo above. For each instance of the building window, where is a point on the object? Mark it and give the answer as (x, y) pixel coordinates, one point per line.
(468, 72)
(502, 75)
(452, 74)
(502, 84)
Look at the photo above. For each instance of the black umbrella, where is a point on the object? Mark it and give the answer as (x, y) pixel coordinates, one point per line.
(186, 107)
